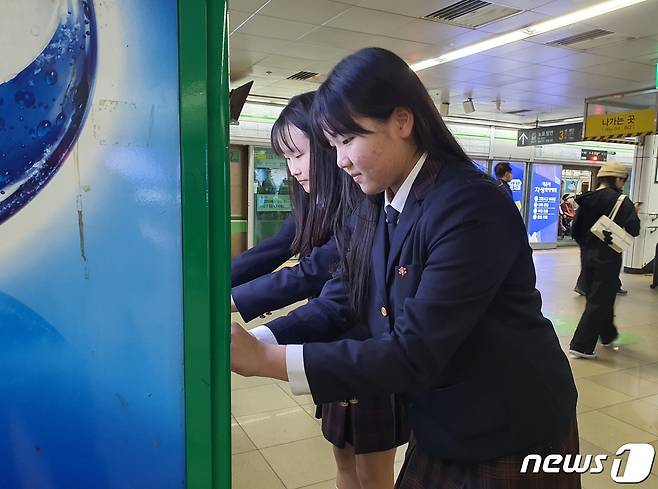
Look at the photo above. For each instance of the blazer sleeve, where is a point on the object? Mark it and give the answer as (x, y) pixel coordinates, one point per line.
(265, 257)
(288, 285)
(457, 284)
(323, 319)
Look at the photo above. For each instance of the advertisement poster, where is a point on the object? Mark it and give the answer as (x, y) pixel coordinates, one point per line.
(518, 181)
(571, 185)
(544, 202)
(91, 328)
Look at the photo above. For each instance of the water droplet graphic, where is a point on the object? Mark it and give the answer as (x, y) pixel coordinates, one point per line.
(24, 99)
(51, 77)
(43, 128)
(51, 95)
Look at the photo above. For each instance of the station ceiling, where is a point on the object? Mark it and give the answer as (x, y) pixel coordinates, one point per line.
(546, 76)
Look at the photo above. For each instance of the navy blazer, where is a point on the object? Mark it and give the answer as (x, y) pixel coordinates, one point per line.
(481, 368)
(265, 257)
(273, 291)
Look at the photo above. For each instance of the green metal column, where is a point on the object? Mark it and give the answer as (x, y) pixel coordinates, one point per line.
(204, 105)
(220, 238)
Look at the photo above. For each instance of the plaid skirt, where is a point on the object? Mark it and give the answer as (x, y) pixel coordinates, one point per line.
(421, 472)
(370, 425)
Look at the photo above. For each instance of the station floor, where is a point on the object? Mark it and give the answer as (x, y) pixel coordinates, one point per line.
(277, 442)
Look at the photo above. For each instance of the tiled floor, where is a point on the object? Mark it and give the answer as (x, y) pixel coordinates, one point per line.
(277, 442)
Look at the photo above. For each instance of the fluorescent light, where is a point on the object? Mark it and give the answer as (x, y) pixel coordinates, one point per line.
(533, 30)
(250, 17)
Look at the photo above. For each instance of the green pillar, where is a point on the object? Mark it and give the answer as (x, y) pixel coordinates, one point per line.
(204, 106)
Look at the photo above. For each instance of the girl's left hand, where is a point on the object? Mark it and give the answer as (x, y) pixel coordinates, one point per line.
(247, 353)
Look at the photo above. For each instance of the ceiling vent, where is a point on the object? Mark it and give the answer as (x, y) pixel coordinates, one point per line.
(519, 112)
(302, 75)
(589, 39)
(472, 13)
(580, 38)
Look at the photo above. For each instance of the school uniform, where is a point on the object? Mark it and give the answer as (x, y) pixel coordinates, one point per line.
(459, 335)
(368, 425)
(275, 290)
(265, 257)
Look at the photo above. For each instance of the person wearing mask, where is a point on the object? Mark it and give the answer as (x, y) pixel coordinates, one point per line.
(600, 263)
(459, 337)
(364, 433)
(503, 173)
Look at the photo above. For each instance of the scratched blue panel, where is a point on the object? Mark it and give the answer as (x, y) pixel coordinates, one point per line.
(91, 377)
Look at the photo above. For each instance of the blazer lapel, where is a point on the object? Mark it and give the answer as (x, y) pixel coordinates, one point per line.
(412, 210)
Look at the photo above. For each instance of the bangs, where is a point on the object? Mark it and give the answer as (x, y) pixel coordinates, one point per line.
(281, 138)
(333, 115)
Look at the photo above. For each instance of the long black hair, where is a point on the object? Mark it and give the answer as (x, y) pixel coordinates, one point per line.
(316, 213)
(371, 83)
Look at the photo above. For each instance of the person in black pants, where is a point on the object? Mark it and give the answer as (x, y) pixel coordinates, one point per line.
(600, 263)
(581, 283)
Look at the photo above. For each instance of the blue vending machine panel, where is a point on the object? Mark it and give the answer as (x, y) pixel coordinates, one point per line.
(544, 203)
(91, 292)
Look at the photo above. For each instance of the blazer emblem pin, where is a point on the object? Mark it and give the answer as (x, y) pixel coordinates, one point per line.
(402, 271)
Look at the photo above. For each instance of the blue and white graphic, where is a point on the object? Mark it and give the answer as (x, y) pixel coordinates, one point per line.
(482, 165)
(91, 317)
(43, 108)
(544, 203)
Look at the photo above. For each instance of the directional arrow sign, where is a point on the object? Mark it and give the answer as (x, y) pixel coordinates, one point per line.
(566, 133)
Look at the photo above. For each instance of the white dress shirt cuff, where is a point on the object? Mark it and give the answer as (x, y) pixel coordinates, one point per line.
(264, 334)
(296, 372)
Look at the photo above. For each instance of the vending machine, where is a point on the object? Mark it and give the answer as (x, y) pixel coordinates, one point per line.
(114, 244)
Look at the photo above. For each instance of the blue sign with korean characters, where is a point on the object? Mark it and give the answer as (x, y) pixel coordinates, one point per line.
(518, 181)
(544, 203)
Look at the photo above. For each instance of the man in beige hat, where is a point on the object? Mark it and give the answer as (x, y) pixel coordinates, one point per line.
(600, 263)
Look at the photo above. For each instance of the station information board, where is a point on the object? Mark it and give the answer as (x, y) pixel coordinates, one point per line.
(544, 201)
